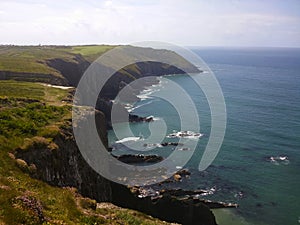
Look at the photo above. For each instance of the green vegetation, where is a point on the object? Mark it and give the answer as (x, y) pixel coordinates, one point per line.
(30, 62)
(14, 90)
(30, 59)
(91, 52)
(31, 114)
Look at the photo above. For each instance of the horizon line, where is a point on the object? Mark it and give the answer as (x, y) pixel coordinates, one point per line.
(120, 44)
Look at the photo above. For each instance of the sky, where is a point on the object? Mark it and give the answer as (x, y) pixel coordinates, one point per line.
(259, 23)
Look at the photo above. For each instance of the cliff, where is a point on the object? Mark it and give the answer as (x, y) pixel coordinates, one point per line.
(71, 71)
(60, 163)
(58, 160)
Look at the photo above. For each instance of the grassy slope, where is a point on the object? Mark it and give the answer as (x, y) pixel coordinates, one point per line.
(32, 59)
(27, 111)
(91, 52)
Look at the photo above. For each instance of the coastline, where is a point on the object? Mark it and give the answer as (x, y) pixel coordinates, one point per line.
(179, 194)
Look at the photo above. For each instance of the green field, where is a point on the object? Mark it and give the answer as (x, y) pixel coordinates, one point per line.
(91, 52)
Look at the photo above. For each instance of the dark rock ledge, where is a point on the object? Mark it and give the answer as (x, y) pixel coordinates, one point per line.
(136, 118)
(185, 195)
(139, 158)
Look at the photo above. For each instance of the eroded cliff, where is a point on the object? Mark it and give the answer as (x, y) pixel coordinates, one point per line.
(59, 162)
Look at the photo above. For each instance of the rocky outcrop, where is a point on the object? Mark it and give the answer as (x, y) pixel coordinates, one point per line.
(136, 118)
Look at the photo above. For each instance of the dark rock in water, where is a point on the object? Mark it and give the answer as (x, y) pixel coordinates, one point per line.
(177, 176)
(183, 195)
(171, 144)
(135, 118)
(184, 149)
(259, 205)
(181, 192)
(164, 144)
(139, 158)
(105, 105)
(217, 205)
(183, 172)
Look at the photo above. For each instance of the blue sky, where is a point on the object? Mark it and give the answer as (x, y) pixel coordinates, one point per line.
(183, 22)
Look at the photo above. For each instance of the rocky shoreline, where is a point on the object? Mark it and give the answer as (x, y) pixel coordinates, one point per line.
(177, 193)
(181, 195)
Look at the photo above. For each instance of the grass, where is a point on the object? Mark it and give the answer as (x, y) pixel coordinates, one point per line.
(14, 89)
(28, 117)
(29, 59)
(32, 59)
(91, 52)
(35, 91)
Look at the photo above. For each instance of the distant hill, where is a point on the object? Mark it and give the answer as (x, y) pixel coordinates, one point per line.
(64, 65)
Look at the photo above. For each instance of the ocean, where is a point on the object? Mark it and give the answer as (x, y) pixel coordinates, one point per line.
(259, 161)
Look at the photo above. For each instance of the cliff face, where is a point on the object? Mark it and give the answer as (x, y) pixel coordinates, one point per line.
(61, 164)
(133, 72)
(71, 71)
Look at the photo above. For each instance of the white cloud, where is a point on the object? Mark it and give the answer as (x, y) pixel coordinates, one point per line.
(125, 21)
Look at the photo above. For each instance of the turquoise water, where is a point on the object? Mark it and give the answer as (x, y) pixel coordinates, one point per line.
(262, 95)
